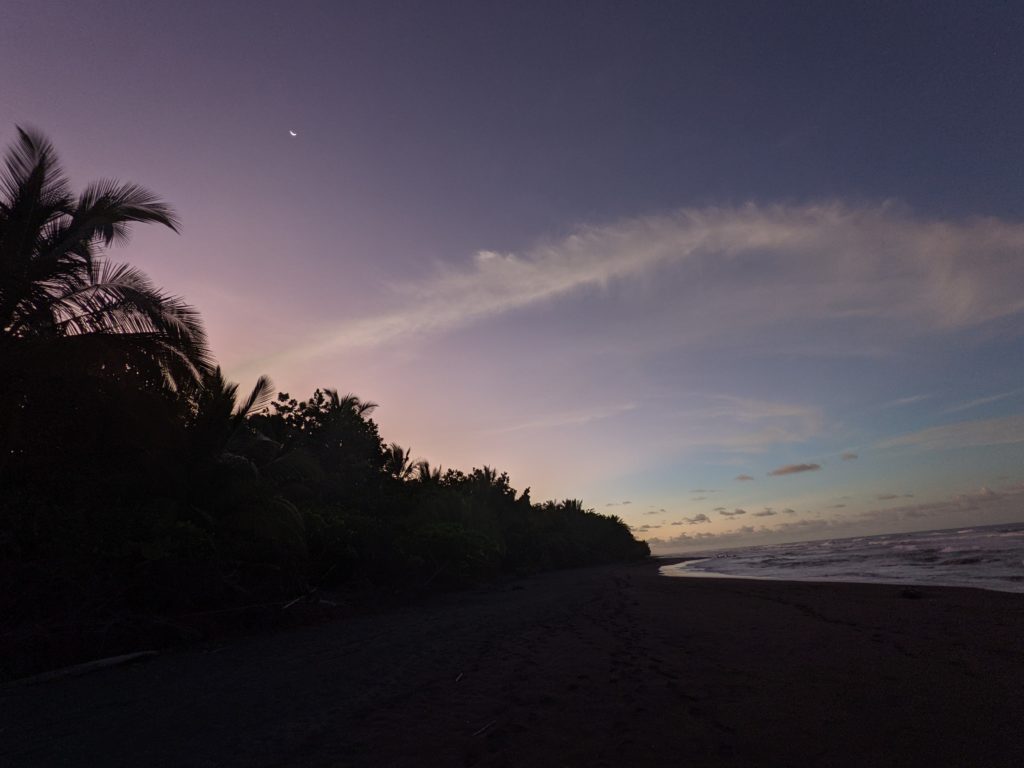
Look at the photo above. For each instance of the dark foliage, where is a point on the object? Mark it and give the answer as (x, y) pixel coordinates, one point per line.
(133, 478)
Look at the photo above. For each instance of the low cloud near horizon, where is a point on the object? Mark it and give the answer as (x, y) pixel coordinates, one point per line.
(701, 518)
(793, 469)
(985, 504)
(734, 513)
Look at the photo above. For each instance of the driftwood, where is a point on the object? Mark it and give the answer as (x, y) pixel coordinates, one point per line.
(485, 727)
(87, 667)
(312, 597)
(290, 603)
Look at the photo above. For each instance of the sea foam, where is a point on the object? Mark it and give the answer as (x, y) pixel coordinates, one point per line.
(988, 557)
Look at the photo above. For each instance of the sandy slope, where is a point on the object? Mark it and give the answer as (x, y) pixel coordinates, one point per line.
(595, 667)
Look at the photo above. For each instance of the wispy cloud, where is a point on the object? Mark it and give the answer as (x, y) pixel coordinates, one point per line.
(793, 469)
(904, 401)
(982, 401)
(745, 425)
(748, 267)
(677, 296)
(848, 456)
(963, 434)
(568, 418)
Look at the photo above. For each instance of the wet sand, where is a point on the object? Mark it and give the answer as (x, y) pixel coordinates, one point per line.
(613, 666)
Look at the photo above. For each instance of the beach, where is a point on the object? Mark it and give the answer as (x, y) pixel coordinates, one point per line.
(606, 666)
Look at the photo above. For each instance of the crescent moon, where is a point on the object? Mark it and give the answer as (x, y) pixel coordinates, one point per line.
(293, 133)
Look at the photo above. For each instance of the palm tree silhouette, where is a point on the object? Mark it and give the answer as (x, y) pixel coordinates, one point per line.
(62, 305)
(398, 462)
(427, 474)
(348, 403)
(219, 417)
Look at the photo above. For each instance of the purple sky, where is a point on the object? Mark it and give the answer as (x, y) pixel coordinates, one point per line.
(628, 254)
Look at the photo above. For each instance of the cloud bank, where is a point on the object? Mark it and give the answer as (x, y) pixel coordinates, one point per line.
(978, 507)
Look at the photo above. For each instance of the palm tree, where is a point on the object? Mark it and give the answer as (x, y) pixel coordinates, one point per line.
(62, 305)
(427, 474)
(219, 416)
(349, 403)
(78, 335)
(398, 462)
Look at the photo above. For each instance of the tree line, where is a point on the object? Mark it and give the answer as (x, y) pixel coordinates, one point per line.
(133, 475)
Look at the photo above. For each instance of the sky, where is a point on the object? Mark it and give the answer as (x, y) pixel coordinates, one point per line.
(737, 272)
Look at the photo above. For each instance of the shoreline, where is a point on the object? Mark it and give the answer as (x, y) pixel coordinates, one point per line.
(684, 573)
(612, 665)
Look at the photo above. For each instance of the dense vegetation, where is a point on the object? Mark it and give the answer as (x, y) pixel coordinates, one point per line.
(134, 477)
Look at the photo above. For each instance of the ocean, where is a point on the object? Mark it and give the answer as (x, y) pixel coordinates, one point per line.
(988, 557)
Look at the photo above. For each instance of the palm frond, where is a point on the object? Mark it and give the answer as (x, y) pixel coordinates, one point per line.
(106, 207)
(427, 474)
(351, 402)
(122, 300)
(32, 171)
(260, 397)
(398, 461)
(33, 192)
(56, 285)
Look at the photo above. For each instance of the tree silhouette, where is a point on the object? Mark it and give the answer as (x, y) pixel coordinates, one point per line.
(398, 462)
(60, 299)
(219, 417)
(133, 475)
(427, 474)
(77, 332)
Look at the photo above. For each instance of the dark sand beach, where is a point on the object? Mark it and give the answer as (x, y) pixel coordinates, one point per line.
(610, 666)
